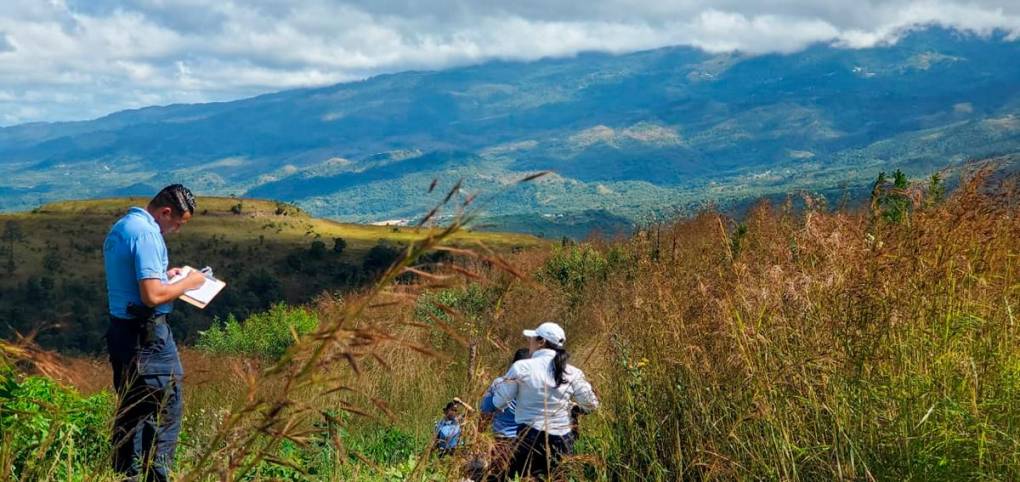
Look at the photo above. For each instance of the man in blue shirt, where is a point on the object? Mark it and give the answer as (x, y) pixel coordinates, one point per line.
(147, 372)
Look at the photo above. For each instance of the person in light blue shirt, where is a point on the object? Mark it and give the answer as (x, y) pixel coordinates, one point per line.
(448, 430)
(503, 424)
(147, 371)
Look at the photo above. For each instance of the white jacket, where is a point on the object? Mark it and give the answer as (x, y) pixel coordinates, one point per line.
(540, 403)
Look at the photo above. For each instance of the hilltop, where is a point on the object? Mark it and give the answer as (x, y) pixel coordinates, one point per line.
(267, 251)
(630, 137)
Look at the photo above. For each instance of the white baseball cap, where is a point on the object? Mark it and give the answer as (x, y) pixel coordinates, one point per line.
(550, 332)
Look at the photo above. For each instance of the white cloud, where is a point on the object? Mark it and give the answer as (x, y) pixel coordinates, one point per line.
(98, 56)
(5, 43)
(718, 31)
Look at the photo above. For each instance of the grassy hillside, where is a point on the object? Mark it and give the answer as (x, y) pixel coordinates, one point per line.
(266, 251)
(787, 345)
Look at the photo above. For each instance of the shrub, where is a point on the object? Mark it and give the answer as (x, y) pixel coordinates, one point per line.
(266, 335)
(891, 199)
(294, 261)
(286, 209)
(317, 251)
(53, 261)
(472, 305)
(936, 190)
(339, 245)
(48, 431)
(470, 302)
(265, 285)
(381, 257)
(573, 267)
(384, 445)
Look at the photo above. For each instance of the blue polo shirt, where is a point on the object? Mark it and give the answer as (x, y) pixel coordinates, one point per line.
(135, 250)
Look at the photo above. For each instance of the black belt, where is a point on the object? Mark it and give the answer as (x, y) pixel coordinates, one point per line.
(157, 319)
(146, 327)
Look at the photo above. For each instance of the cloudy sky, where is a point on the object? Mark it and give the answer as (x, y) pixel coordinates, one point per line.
(80, 59)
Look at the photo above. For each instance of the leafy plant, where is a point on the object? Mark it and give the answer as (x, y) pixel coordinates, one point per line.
(339, 245)
(737, 239)
(381, 257)
(573, 267)
(470, 302)
(48, 431)
(936, 190)
(890, 199)
(265, 335)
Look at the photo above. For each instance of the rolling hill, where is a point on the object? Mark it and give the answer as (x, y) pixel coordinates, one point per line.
(267, 251)
(630, 137)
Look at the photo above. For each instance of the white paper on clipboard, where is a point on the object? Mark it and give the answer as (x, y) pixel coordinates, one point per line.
(202, 295)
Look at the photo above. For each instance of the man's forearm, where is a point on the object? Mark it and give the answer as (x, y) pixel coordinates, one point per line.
(155, 293)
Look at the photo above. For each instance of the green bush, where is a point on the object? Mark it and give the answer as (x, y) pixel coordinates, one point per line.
(394, 452)
(471, 302)
(381, 257)
(290, 464)
(385, 446)
(891, 198)
(573, 267)
(48, 431)
(266, 335)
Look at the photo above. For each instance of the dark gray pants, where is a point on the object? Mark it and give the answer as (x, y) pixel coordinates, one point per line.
(147, 423)
(538, 453)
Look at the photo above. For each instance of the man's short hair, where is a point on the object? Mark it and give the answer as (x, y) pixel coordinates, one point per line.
(176, 197)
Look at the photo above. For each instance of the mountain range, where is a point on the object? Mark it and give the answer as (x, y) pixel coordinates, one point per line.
(628, 138)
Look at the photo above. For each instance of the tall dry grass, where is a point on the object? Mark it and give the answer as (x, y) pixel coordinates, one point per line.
(821, 345)
(807, 344)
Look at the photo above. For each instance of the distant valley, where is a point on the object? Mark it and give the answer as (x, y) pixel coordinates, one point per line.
(629, 138)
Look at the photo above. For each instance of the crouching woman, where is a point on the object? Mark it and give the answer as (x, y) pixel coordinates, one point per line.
(544, 388)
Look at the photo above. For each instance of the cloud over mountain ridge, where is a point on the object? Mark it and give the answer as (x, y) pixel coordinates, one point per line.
(71, 59)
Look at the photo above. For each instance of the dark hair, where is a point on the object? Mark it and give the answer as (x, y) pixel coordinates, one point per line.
(520, 354)
(559, 363)
(450, 406)
(176, 197)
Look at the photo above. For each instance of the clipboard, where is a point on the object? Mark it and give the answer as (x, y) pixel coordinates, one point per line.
(199, 297)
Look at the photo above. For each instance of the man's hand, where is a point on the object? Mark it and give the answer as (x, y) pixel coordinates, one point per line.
(154, 292)
(194, 280)
(170, 273)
